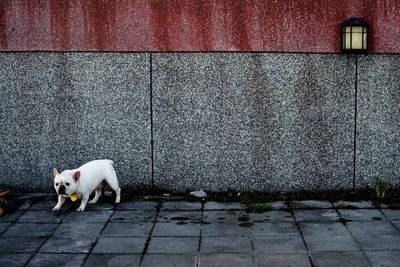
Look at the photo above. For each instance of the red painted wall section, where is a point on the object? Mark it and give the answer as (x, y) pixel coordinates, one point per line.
(193, 25)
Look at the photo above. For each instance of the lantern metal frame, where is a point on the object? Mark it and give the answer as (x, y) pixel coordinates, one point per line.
(355, 22)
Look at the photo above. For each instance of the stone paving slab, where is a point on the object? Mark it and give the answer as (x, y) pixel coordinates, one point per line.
(49, 204)
(120, 245)
(128, 229)
(225, 244)
(99, 206)
(25, 205)
(297, 260)
(319, 215)
(311, 204)
(272, 216)
(4, 226)
(58, 260)
(14, 260)
(330, 243)
(138, 205)
(88, 217)
(67, 245)
(176, 229)
(20, 244)
(268, 229)
(323, 229)
(278, 205)
(373, 241)
(10, 218)
(30, 230)
(361, 214)
(383, 227)
(279, 244)
(122, 216)
(212, 205)
(116, 260)
(228, 228)
(396, 224)
(225, 259)
(38, 216)
(179, 216)
(213, 216)
(170, 260)
(392, 214)
(384, 258)
(328, 237)
(354, 205)
(174, 245)
(339, 258)
(79, 230)
(180, 205)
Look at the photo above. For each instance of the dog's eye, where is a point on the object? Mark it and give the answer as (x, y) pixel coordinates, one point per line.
(67, 184)
(56, 184)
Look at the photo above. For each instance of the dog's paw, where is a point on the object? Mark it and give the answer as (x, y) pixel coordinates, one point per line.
(55, 209)
(92, 202)
(80, 209)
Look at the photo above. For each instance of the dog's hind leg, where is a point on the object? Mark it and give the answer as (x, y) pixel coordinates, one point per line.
(97, 194)
(113, 183)
(117, 190)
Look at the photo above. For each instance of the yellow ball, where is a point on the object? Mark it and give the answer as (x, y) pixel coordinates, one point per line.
(74, 196)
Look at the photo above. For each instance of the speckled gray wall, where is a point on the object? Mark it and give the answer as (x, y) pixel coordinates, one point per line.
(63, 109)
(276, 122)
(378, 122)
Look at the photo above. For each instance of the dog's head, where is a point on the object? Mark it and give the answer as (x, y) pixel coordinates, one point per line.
(66, 182)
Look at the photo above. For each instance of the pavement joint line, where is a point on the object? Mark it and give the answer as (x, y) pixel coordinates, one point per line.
(101, 232)
(200, 234)
(389, 220)
(302, 237)
(253, 254)
(343, 221)
(147, 243)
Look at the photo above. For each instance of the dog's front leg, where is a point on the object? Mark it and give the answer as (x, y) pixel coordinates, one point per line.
(61, 200)
(84, 201)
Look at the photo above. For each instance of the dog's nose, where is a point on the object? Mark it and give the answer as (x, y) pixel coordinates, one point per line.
(61, 190)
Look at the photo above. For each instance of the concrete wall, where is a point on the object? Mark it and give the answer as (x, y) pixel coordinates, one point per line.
(378, 119)
(63, 109)
(179, 121)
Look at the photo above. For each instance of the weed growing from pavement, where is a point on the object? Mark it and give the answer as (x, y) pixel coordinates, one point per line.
(381, 187)
(251, 203)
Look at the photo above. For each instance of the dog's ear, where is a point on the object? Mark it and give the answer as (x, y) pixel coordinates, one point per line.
(77, 175)
(55, 173)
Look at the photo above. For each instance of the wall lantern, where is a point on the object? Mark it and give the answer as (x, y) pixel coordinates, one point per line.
(354, 36)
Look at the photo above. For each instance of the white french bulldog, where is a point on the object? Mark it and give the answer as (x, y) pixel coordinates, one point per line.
(84, 180)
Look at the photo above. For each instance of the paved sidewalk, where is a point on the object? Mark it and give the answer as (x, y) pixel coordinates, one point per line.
(143, 233)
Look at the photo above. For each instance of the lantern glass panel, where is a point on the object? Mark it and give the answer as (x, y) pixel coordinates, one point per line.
(356, 40)
(347, 39)
(365, 40)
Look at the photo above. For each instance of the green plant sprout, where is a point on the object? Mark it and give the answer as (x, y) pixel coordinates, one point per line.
(381, 187)
(247, 201)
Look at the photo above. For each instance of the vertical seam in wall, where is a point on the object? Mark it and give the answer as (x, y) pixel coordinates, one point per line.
(355, 126)
(151, 120)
